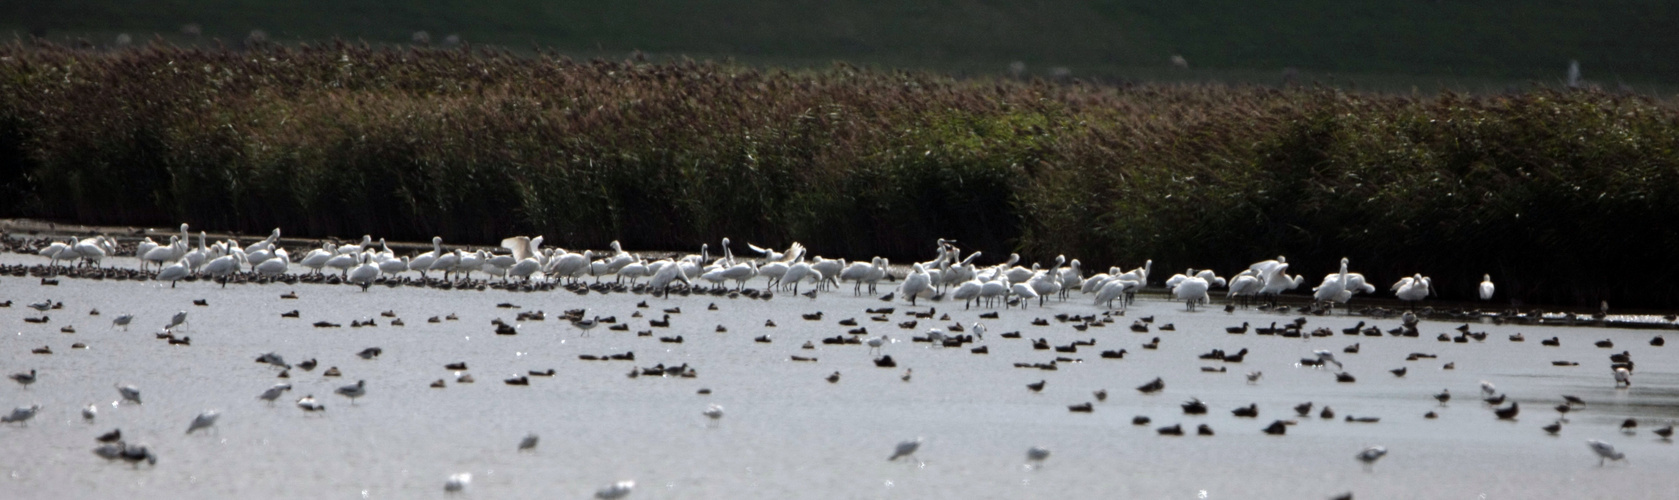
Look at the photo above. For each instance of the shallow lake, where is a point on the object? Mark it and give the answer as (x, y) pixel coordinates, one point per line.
(787, 432)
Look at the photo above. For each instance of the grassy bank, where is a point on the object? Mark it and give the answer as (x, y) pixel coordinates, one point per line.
(1564, 196)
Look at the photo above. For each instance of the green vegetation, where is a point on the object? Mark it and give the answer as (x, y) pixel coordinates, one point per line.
(1558, 194)
(1481, 45)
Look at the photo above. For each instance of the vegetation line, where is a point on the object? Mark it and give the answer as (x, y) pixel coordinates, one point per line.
(1563, 196)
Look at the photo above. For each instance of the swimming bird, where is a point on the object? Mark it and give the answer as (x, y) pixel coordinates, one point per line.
(713, 412)
(616, 490)
(204, 420)
(136, 454)
(129, 393)
(353, 391)
(1605, 451)
(22, 414)
(1153, 386)
(1623, 378)
(905, 449)
(1370, 455)
(457, 482)
(24, 378)
(1037, 455)
(274, 392)
(1444, 396)
(529, 442)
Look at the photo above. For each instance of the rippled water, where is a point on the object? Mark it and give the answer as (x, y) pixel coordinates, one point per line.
(788, 433)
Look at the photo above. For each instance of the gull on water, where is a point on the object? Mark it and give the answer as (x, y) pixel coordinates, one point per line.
(529, 442)
(1605, 451)
(274, 392)
(21, 414)
(353, 391)
(906, 448)
(204, 420)
(129, 393)
(713, 412)
(1370, 455)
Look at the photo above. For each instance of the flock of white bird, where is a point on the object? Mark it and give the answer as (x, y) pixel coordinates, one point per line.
(950, 272)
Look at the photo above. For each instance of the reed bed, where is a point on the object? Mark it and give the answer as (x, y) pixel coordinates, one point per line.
(1564, 196)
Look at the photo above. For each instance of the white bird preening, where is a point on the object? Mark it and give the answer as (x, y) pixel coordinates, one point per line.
(204, 420)
(129, 393)
(1605, 451)
(906, 449)
(529, 442)
(1486, 287)
(1370, 455)
(616, 490)
(457, 482)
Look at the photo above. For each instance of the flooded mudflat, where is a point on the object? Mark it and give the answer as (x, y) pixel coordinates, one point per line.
(788, 432)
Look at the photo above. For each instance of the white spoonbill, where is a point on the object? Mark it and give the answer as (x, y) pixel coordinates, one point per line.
(423, 262)
(917, 284)
(363, 274)
(274, 266)
(173, 273)
(1486, 287)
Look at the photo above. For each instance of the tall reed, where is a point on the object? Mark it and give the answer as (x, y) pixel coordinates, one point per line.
(1562, 195)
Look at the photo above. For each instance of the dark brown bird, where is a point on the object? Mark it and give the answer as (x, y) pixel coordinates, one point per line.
(1036, 386)
(1508, 413)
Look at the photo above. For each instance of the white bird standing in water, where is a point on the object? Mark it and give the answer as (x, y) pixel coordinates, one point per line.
(905, 449)
(1486, 287)
(1605, 451)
